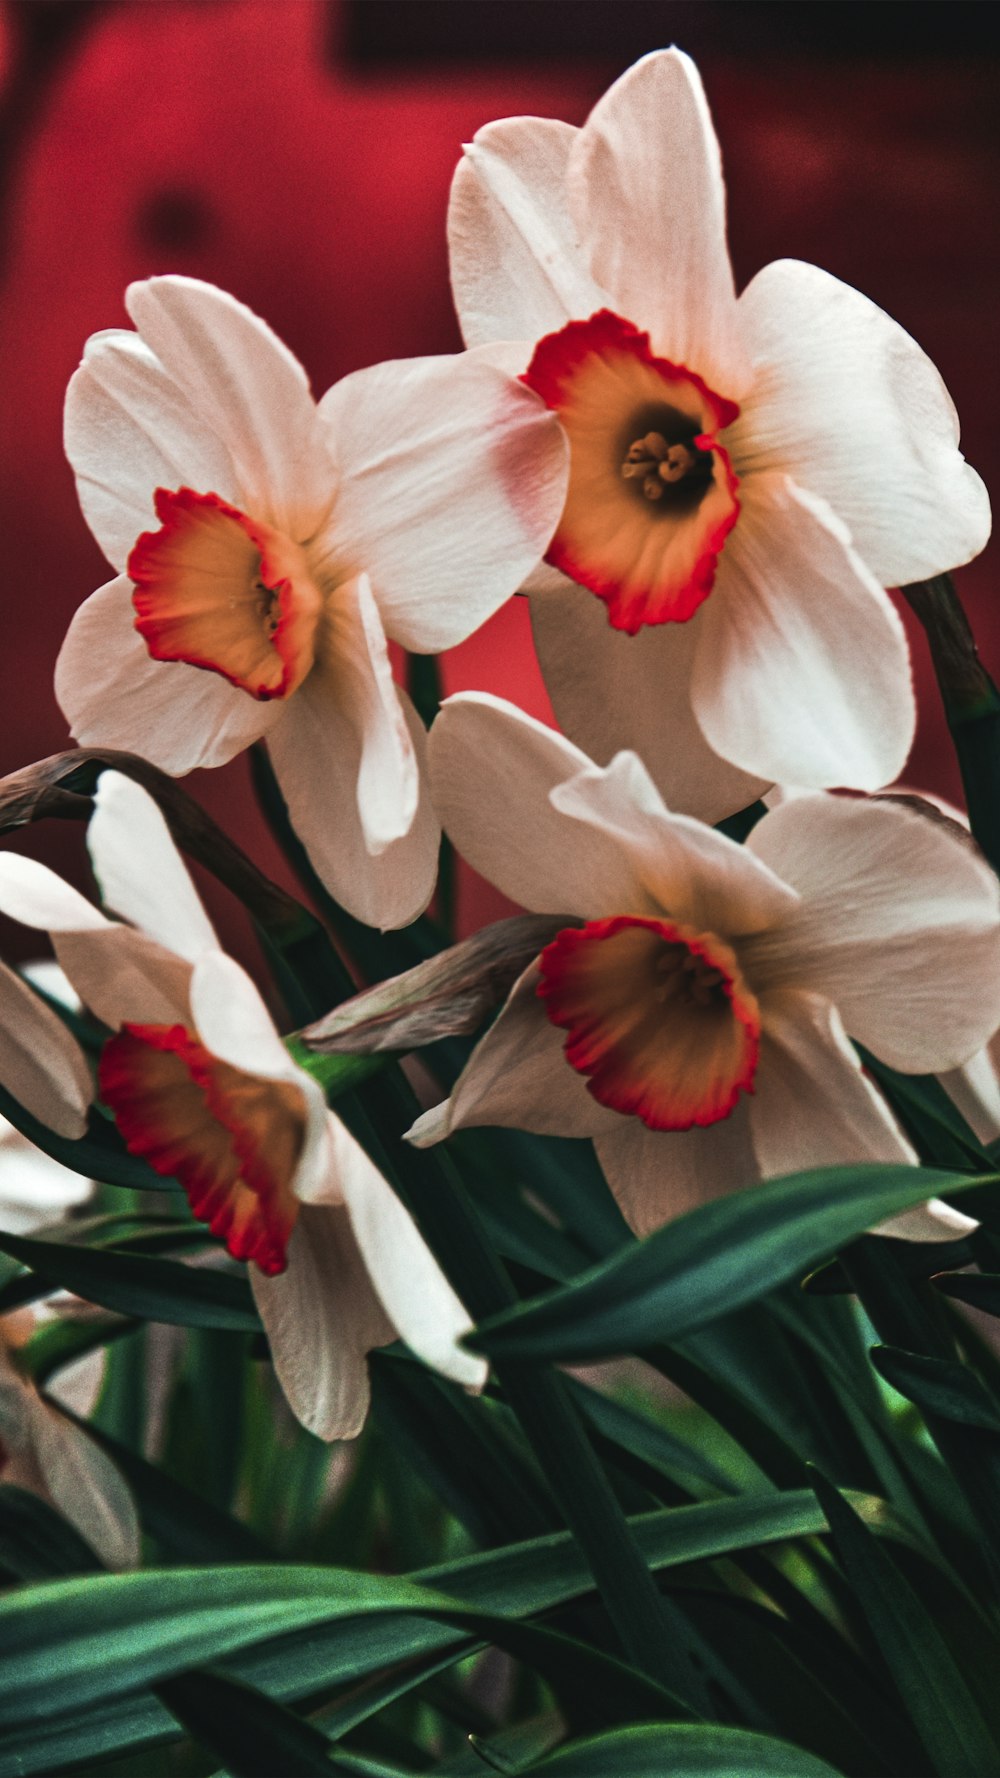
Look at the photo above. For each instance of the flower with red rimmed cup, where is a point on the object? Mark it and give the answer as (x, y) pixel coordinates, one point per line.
(693, 1016)
(747, 475)
(267, 547)
(203, 1088)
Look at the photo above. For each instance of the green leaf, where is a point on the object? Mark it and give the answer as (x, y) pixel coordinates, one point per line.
(255, 1735)
(709, 1263)
(916, 1259)
(939, 1385)
(100, 1154)
(981, 1290)
(684, 1750)
(930, 1685)
(135, 1285)
(36, 1542)
(118, 1633)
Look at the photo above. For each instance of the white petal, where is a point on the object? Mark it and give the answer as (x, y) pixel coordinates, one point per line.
(124, 977)
(40, 1063)
(34, 895)
(128, 430)
(78, 1385)
(517, 270)
(249, 391)
(452, 477)
(847, 403)
(319, 754)
(322, 1317)
(141, 874)
(410, 1284)
(232, 1021)
(802, 671)
(812, 1106)
(899, 925)
(45, 973)
(695, 874)
(35, 1189)
(113, 694)
(518, 1078)
(611, 691)
(975, 1089)
(657, 1175)
(647, 195)
(86, 1487)
(492, 768)
(357, 658)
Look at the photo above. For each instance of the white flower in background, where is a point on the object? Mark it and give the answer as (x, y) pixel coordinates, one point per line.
(202, 1087)
(43, 1452)
(34, 1188)
(693, 1018)
(267, 546)
(747, 475)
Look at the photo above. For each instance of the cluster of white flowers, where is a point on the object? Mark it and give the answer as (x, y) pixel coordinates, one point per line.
(705, 497)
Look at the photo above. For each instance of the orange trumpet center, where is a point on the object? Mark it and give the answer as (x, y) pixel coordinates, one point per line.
(652, 493)
(659, 1016)
(232, 1139)
(218, 590)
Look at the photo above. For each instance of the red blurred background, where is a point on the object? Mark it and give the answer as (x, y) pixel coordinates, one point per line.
(298, 152)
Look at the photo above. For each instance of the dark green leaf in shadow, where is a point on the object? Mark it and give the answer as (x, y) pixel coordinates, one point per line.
(939, 1386)
(683, 1750)
(709, 1263)
(932, 1689)
(146, 1288)
(36, 1542)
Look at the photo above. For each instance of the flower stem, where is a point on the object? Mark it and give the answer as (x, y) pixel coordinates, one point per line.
(971, 703)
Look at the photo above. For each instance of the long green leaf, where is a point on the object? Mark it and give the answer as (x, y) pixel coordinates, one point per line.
(100, 1154)
(684, 1750)
(121, 1632)
(939, 1385)
(136, 1285)
(932, 1688)
(255, 1735)
(709, 1263)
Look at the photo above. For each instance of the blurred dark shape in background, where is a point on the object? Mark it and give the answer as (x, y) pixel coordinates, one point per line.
(298, 152)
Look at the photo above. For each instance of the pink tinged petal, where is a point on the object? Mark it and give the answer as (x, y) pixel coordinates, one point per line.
(847, 403)
(40, 1063)
(125, 977)
(249, 392)
(899, 926)
(517, 270)
(974, 1088)
(409, 1283)
(692, 872)
(492, 768)
(322, 1317)
(657, 1175)
(85, 1485)
(518, 1078)
(128, 429)
(234, 1024)
(812, 1106)
(113, 694)
(646, 192)
(802, 671)
(141, 874)
(451, 478)
(610, 691)
(320, 751)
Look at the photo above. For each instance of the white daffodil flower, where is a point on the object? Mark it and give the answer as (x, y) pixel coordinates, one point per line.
(747, 475)
(693, 1019)
(44, 1068)
(203, 1088)
(266, 547)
